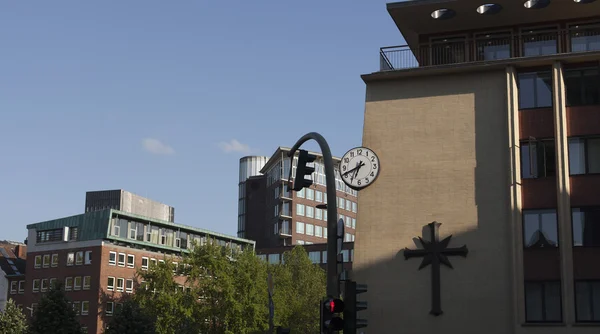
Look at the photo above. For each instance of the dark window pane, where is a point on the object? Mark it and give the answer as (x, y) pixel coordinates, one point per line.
(582, 86)
(540, 228)
(526, 90)
(576, 156)
(543, 302)
(534, 302)
(593, 155)
(535, 90)
(552, 301)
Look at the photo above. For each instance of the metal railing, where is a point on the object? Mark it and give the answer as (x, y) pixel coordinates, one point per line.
(489, 47)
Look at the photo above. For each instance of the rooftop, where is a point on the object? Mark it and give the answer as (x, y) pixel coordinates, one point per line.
(285, 150)
(10, 263)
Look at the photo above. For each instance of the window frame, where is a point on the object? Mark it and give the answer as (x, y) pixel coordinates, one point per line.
(70, 259)
(541, 74)
(119, 262)
(89, 282)
(539, 212)
(114, 282)
(132, 263)
(36, 285)
(583, 209)
(122, 285)
(112, 262)
(586, 165)
(87, 259)
(548, 173)
(37, 262)
(54, 260)
(544, 306)
(147, 260)
(592, 288)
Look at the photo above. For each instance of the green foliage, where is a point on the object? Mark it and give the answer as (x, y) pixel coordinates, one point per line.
(54, 314)
(130, 319)
(12, 320)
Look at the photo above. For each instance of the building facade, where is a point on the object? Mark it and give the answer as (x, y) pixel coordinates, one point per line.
(123, 200)
(488, 122)
(12, 272)
(274, 216)
(317, 253)
(250, 166)
(96, 255)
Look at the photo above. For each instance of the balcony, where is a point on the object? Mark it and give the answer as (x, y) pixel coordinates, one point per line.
(285, 231)
(485, 48)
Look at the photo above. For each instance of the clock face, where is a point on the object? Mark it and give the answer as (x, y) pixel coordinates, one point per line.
(359, 167)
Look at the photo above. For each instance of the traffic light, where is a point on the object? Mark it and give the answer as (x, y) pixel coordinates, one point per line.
(302, 170)
(330, 320)
(351, 321)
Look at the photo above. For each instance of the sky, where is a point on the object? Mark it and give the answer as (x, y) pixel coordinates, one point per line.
(162, 98)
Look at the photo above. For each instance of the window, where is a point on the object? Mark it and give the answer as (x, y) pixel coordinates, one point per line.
(318, 231)
(448, 50)
(584, 155)
(300, 193)
(130, 261)
(540, 228)
(273, 258)
(315, 257)
(585, 37)
(49, 235)
(535, 90)
(129, 286)
(22, 287)
(77, 307)
(132, 230)
(318, 196)
(54, 261)
(582, 86)
(354, 207)
(538, 159)
(310, 229)
(310, 194)
(85, 307)
(324, 257)
(539, 42)
(300, 242)
(121, 260)
(44, 285)
(73, 233)
(300, 227)
(310, 212)
(109, 308)
(88, 257)
(348, 205)
(153, 262)
(347, 237)
(300, 209)
(586, 226)
(87, 282)
(13, 287)
(36, 285)
(144, 263)
(354, 223)
(38, 262)
(77, 285)
(79, 258)
(112, 258)
(345, 255)
(325, 233)
(70, 259)
(319, 214)
(46, 261)
(110, 286)
(120, 284)
(493, 46)
(348, 222)
(68, 283)
(543, 302)
(341, 203)
(276, 210)
(587, 301)
(52, 283)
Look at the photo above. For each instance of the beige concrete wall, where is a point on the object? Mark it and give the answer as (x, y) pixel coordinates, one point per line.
(443, 146)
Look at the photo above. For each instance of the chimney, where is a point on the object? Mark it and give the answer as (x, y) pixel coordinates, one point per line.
(21, 251)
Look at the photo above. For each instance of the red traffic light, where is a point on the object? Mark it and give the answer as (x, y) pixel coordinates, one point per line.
(334, 305)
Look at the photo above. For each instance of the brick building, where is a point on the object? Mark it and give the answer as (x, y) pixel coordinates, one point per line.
(12, 272)
(96, 255)
(274, 216)
(317, 253)
(488, 122)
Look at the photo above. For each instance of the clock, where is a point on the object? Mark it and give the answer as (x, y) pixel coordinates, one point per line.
(359, 167)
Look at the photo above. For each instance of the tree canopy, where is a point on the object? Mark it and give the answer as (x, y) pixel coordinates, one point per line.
(54, 314)
(12, 319)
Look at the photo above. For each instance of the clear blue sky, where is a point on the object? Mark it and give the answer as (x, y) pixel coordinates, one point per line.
(162, 98)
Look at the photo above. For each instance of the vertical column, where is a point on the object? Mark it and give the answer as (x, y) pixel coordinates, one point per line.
(563, 192)
(516, 242)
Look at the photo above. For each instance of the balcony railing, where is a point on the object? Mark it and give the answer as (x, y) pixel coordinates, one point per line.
(490, 47)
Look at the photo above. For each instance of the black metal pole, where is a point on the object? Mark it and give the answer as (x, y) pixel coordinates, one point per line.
(332, 274)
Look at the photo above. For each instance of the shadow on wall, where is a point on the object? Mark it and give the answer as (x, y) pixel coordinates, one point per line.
(479, 290)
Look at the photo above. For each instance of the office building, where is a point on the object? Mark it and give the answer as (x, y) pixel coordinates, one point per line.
(96, 255)
(12, 272)
(488, 122)
(123, 200)
(274, 216)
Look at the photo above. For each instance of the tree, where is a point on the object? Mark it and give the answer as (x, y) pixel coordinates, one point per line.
(12, 320)
(299, 287)
(54, 314)
(130, 319)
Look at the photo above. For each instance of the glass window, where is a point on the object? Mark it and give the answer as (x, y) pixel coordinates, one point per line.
(87, 281)
(129, 286)
(52, 283)
(310, 229)
(585, 37)
(120, 284)
(318, 231)
(540, 228)
(85, 307)
(38, 261)
(70, 259)
(319, 214)
(348, 222)
(46, 261)
(36, 285)
(88, 257)
(448, 50)
(130, 260)
(79, 258)
(315, 257)
(300, 193)
(112, 258)
(54, 260)
(13, 287)
(587, 300)
(300, 209)
(299, 242)
(354, 223)
(77, 284)
(300, 227)
(535, 90)
(111, 284)
(273, 258)
(22, 286)
(543, 302)
(346, 255)
(584, 155)
(109, 308)
(121, 260)
(348, 205)
(341, 203)
(538, 159)
(145, 263)
(539, 42)
(44, 284)
(68, 283)
(582, 86)
(354, 207)
(319, 196)
(324, 257)
(586, 226)
(310, 194)
(310, 212)
(493, 46)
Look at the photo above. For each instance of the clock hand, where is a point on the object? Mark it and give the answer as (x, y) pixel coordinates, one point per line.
(355, 168)
(358, 168)
(350, 171)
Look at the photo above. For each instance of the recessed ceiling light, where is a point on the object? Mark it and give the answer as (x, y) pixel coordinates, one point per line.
(489, 8)
(443, 14)
(536, 4)
(584, 1)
